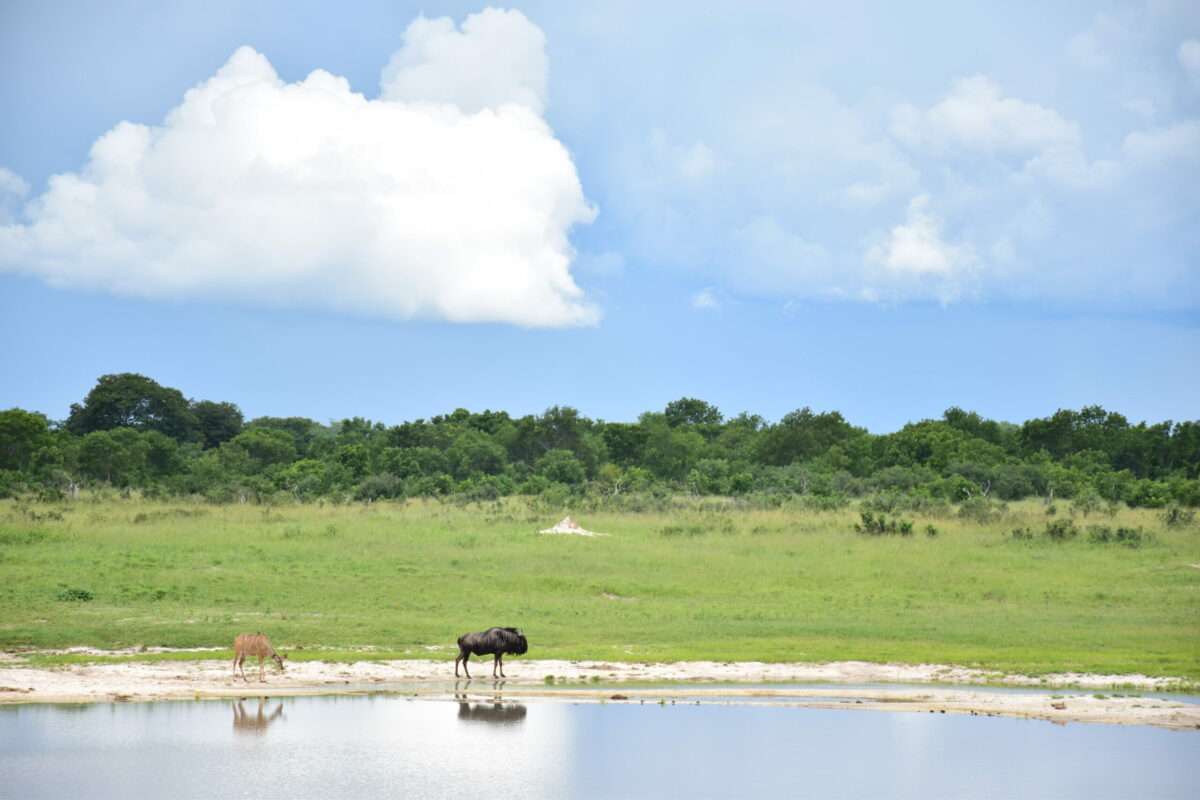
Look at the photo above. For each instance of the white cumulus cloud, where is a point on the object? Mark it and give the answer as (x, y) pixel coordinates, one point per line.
(449, 197)
(498, 57)
(975, 118)
(918, 261)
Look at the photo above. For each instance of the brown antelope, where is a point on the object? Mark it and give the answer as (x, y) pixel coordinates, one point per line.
(254, 644)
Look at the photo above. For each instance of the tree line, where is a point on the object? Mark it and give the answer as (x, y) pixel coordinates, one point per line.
(131, 432)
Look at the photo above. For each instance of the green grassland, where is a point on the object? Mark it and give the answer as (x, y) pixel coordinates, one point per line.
(696, 579)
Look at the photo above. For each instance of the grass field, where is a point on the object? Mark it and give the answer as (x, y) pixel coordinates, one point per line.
(702, 580)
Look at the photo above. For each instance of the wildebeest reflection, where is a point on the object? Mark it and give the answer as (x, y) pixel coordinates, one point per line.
(258, 722)
(492, 713)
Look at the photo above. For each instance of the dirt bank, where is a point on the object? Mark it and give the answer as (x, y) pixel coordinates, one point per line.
(1061, 698)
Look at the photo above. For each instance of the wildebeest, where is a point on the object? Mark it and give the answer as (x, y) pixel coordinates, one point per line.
(254, 644)
(500, 641)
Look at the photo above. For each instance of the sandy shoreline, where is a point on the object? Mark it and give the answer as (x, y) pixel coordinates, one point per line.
(950, 690)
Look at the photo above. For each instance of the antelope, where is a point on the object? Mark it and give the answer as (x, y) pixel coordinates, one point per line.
(254, 644)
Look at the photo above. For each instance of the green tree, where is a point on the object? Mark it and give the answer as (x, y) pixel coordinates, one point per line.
(690, 411)
(803, 435)
(216, 423)
(356, 458)
(117, 457)
(670, 452)
(22, 434)
(129, 400)
(625, 441)
(936, 444)
(312, 439)
(474, 451)
(561, 466)
(265, 446)
(163, 456)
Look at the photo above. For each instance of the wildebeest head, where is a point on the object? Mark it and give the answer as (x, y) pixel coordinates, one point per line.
(517, 643)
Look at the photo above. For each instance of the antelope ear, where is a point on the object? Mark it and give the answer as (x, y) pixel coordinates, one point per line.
(285, 655)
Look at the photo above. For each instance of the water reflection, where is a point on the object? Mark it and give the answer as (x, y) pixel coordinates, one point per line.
(496, 712)
(492, 713)
(258, 722)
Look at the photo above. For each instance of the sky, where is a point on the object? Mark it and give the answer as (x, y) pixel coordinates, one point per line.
(391, 210)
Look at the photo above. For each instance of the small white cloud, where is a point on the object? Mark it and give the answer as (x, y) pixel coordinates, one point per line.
(1067, 166)
(710, 298)
(1141, 105)
(1189, 58)
(692, 164)
(865, 195)
(974, 118)
(498, 57)
(307, 194)
(916, 246)
(1160, 146)
(917, 262)
(12, 184)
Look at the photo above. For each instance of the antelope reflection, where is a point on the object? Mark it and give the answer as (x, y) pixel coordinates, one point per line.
(258, 722)
(496, 712)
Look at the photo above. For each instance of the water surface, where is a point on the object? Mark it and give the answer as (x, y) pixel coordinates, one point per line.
(395, 746)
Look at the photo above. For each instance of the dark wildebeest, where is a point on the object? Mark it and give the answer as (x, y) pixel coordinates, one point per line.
(254, 644)
(498, 641)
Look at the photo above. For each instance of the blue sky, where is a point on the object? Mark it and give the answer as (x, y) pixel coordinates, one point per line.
(392, 210)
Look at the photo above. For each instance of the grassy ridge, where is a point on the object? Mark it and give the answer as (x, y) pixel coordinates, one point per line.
(703, 581)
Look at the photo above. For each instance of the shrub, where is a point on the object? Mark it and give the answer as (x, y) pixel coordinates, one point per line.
(75, 595)
(1177, 517)
(1129, 537)
(826, 502)
(51, 495)
(1132, 537)
(1061, 530)
(381, 486)
(872, 525)
(1086, 503)
(982, 511)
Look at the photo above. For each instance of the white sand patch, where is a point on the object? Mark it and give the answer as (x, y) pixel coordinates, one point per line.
(949, 688)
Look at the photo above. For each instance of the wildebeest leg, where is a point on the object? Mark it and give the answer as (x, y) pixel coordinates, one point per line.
(464, 655)
(499, 662)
